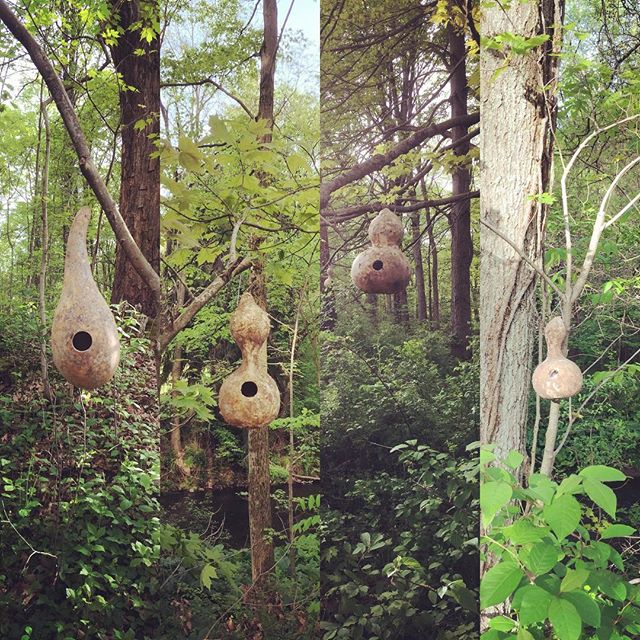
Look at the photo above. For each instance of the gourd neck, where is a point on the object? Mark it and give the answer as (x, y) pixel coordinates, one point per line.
(76, 260)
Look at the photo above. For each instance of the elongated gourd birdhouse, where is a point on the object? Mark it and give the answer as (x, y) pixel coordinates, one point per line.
(84, 336)
(382, 268)
(556, 377)
(249, 397)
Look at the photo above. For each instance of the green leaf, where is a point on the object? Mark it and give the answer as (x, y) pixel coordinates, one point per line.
(207, 574)
(573, 579)
(514, 459)
(563, 515)
(602, 495)
(499, 583)
(534, 603)
(542, 557)
(493, 496)
(523, 634)
(586, 606)
(565, 619)
(602, 473)
(502, 623)
(523, 531)
(617, 531)
(610, 584)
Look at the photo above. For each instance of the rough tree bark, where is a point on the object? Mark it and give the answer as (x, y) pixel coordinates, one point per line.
(138, 61)
(460, 216)
(262, 558)
(516, 147)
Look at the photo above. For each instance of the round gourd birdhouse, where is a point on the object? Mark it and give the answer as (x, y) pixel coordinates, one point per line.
(382, 268)
(556, 377)
(250, 397)
(84, 336)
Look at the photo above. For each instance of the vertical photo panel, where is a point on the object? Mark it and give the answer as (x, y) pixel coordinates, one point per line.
(240, 479)
(559, 326)
(79, 297)
(399, 278)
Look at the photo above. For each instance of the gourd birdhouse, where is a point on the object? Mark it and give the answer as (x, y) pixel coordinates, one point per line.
(249, 397)
(84, 336)
(382, 268)
(556, 377)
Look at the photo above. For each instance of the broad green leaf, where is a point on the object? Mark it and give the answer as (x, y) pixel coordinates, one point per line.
(569, 484)
(534, 603)
(565, 619)
(602, 473)
(573, 579)
(514, 459)
(617, 531)
(541, 558)
(499, 583)
(523, 531)
(493, 496)
(602, 495)
(609, 583)
(586, 606)
(563, 515)
(523, 634)
(502, 623)
(207, 574)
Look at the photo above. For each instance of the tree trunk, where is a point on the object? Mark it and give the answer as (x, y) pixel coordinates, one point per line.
(460, 217)
(262, 558)
(176, 371)
(328, 311)
(139, 173)
(516, 147)
(434, 291)
(44, 256)
(421, 294)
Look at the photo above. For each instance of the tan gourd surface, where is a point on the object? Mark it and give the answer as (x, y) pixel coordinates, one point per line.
(84, 336)
(249, 397)
(383, 267)
(556, 377)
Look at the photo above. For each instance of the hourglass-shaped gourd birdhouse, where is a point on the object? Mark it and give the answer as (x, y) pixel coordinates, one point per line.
(382, 268)
(249, 397)
(556, 377)
(84, 336)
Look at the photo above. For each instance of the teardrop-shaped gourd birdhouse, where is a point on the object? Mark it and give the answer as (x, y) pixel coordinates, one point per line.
(382, 268)
(84, 336)
(556, 377)
(249, 397)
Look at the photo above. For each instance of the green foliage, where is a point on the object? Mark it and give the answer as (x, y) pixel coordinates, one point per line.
(550, 564)
(397, 561)
(79, 517)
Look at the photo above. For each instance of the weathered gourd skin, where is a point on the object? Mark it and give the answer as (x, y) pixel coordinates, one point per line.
(250, 328)
(383, 267)
(82, 308)
(556, 377)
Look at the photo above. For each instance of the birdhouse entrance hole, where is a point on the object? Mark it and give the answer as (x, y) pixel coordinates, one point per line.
(82, 341)
(377, 265)
(249, 389)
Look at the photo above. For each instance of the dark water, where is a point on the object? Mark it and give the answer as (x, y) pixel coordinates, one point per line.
(206, 512)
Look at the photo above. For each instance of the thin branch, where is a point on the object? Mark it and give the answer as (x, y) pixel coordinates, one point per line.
(522, 254)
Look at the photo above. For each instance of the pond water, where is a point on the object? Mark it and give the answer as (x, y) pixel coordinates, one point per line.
(205, 512)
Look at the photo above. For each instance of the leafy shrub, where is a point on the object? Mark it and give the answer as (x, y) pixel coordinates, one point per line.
(554, 561)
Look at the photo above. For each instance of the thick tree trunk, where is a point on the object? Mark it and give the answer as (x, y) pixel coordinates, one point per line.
(139, 173)
(460, 217)
(421, 294)
(516, 164)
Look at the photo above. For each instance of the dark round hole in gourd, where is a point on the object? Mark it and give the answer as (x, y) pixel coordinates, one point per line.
(377, 265)
(82, 341)
(249, 389)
